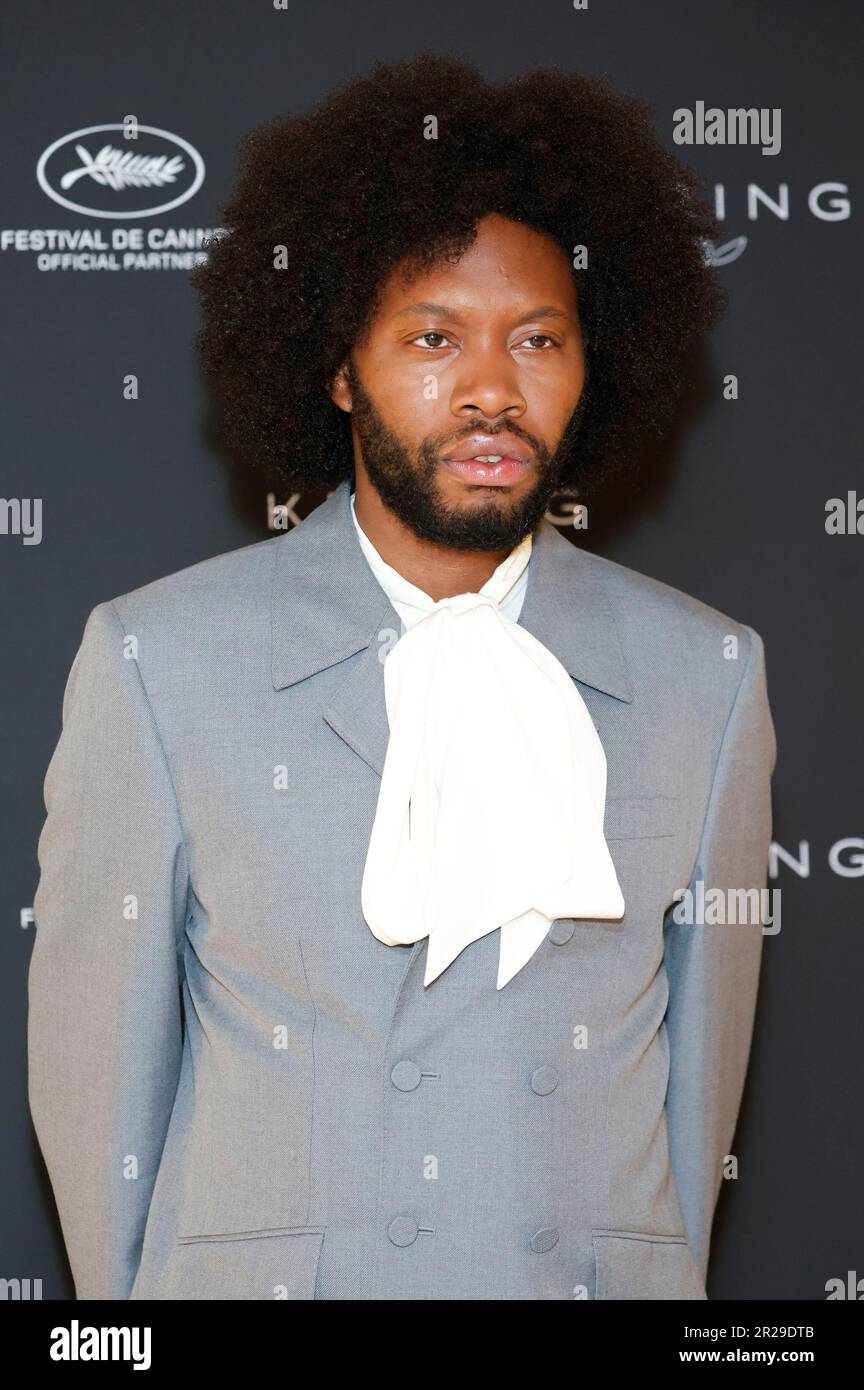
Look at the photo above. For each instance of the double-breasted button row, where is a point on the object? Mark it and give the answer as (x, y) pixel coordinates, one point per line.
(406, 1076)
(403, 1230)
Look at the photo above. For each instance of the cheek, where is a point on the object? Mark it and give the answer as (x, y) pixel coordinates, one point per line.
(418, 410)
(553, 396)
(406, 394)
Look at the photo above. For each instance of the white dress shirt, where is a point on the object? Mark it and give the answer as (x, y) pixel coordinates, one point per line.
(411, 613)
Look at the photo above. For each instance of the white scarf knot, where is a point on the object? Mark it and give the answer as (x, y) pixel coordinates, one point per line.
(490, 811)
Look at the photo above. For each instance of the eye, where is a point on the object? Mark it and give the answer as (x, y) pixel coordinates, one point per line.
(544, 336)
(431, 334)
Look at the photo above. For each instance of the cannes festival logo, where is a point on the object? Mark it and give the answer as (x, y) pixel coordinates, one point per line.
(124, 177)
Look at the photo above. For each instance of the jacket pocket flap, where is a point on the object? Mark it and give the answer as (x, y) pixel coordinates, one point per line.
(277, 1263)
(640, 1265)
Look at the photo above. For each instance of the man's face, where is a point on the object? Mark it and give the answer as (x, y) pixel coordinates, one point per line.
(490, 347)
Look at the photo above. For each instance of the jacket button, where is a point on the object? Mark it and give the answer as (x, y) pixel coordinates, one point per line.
(544, 1080)
(402, 1230)
(406, 1075)
(544, 1239)
(562, 930)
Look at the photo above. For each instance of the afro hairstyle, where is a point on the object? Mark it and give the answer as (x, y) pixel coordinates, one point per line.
(354, 187)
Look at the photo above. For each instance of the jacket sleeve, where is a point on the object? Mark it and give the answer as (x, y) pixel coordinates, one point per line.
(713, 969)
(105, 1014)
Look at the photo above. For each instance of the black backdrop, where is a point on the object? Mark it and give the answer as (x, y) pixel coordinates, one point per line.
(735, 514)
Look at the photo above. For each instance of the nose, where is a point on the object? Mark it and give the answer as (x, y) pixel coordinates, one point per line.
(487, 384)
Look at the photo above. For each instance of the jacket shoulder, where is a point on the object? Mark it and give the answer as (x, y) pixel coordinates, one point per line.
(206, 617)
(232, 585)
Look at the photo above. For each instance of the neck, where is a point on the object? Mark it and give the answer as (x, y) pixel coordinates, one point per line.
(436, 569)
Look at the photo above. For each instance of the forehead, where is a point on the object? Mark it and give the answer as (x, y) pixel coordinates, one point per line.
(507, 267)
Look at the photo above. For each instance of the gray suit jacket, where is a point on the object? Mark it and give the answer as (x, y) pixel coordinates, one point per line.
(240, 1093)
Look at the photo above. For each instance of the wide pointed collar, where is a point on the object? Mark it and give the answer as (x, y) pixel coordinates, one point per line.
(327, 605)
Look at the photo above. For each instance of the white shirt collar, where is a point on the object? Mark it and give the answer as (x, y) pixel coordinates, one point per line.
(412, 612)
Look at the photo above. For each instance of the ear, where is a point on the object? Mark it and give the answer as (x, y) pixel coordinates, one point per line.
(339, 389)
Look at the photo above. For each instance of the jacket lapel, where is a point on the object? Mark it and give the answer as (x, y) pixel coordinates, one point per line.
(328, 606)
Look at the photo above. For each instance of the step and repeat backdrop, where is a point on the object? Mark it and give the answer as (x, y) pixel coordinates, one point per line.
(754, 503)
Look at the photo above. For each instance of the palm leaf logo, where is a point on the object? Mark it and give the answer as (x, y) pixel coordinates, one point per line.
(120, 169)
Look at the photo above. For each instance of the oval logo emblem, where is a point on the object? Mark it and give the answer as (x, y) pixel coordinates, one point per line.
(119, 177)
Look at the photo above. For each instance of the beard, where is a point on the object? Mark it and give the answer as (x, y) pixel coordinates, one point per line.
(408, 486)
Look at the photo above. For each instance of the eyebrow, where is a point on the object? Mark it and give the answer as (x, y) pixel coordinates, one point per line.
(441, 311)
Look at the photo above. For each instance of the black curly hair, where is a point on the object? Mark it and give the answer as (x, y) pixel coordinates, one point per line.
(354, 187)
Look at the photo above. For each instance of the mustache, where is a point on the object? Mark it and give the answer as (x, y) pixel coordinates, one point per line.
(483, 427)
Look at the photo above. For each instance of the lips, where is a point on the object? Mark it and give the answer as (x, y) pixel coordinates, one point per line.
(502, 474)
(507, 446)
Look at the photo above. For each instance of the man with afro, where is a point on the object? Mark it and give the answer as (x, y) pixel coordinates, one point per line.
(373, 958)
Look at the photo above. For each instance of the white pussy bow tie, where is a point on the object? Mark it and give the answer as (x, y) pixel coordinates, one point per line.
(493, 790)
